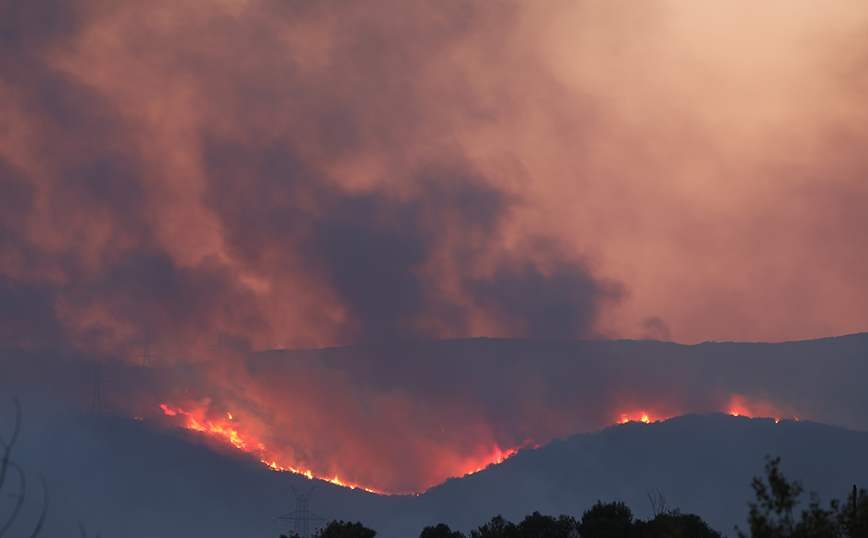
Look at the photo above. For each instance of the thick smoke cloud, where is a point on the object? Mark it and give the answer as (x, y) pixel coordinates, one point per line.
(561, 305)
(302, 174)
(290, 173)
(27, 314)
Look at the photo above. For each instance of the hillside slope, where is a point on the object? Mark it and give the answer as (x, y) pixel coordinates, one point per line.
(126, 478)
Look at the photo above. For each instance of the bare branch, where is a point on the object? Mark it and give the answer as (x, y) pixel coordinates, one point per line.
(658, 502)
(20, 503)
(8, 447)
(4, 469)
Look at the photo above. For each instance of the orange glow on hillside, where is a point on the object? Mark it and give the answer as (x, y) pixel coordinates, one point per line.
(226, 427)
(221, 429)
(232, 433)
(497, 456)
(641, 416)
(737, 406)
(741, 406)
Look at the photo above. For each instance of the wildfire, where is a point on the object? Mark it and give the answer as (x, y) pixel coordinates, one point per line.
(497, 456)
(741, 406)
(220, 428)
(737, 406)
(638, 417)
(231, 430)
(223, 430)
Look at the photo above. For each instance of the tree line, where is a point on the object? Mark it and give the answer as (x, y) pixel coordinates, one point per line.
(772, 515)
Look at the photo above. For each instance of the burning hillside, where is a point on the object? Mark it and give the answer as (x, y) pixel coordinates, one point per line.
(404, 418)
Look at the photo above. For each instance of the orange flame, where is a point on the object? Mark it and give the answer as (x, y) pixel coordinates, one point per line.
(639, 417)
(742, 406)
(221, 429)
(232, 430)
(497, 456)
(738, 405)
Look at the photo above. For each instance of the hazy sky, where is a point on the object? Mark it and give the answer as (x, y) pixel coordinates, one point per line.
(315, 173)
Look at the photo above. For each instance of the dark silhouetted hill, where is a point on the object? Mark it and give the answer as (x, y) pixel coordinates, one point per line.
(124, 478)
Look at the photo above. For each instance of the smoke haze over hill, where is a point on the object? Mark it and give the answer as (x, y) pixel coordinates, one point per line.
(401, 418)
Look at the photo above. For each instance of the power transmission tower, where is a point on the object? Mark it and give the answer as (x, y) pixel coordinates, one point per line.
(146, 352)
(225, 343)
(96, 401)
(302, 515)
(146, 349)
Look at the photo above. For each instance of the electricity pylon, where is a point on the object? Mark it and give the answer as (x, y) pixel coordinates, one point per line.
(146, 349)
(222, 342)
(302, 515)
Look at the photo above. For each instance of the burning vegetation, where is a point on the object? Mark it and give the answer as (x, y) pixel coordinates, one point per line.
(228, 430)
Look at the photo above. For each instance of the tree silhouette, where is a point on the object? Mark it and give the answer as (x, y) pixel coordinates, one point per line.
(674, 524)
(341, 529)
(772, 515)
(540, 526)
(610, 520)
(441, 530)
(496, 528)
(853, 517)
(603, 520)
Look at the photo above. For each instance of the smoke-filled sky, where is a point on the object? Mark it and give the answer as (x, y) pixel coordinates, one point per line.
(304, 173)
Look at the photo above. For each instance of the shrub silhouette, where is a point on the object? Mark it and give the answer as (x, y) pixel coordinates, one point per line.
(340, 529)
(674, 524)
(441, 530)
(610, 520)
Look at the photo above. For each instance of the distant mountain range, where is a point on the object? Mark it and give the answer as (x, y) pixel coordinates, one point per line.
(136, 479)
(124, 478)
